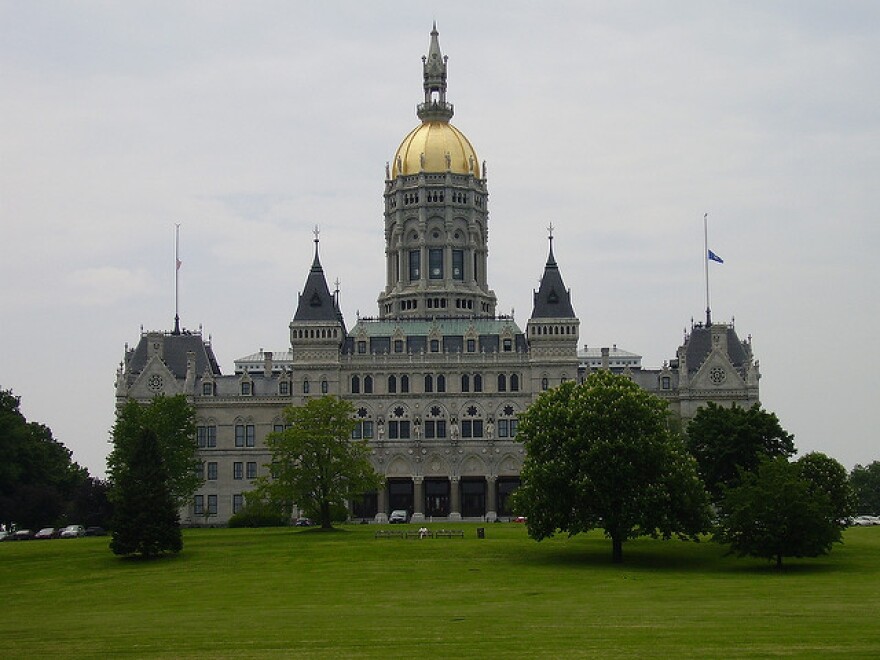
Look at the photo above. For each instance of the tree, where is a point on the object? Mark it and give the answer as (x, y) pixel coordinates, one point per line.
(315, 462)
(172, 420)
(828, 476)
(728, 441)
(865, 481)
(601, 454)
(776, 512)
(38, 478)
(145, 520)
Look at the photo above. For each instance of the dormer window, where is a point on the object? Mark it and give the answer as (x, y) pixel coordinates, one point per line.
(471, 345)
(435, 345)
(508, 345)
(246, 388)
(284, 388)
(208, 389)
(362, 347)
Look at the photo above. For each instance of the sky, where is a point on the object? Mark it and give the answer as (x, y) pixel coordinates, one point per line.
(621, 123)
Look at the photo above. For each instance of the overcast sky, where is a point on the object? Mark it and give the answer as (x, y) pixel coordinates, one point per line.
(622, 123)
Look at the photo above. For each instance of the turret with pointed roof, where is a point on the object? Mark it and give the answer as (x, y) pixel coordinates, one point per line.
(552, 299)
(317, 324)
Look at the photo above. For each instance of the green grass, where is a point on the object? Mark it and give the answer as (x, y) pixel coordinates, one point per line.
(306, 593)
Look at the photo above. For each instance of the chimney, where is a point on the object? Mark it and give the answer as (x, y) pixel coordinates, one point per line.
(267, 363)
(605, 363)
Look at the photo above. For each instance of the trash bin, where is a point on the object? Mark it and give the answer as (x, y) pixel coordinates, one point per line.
(481, 532)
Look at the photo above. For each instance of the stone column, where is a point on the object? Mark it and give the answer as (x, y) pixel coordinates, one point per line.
(418, 500)
(455, 498)
(382, 505)
(491, 514)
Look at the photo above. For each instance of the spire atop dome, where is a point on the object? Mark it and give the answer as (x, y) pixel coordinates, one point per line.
(435, 107)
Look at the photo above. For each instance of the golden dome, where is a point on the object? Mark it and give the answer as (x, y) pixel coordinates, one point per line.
(426, 147)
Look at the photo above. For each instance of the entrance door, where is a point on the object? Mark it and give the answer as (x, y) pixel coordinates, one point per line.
(437, 497)
(473, 498)
(400, 495)
(506, 486)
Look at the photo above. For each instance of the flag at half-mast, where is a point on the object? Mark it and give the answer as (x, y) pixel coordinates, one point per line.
(714, 257)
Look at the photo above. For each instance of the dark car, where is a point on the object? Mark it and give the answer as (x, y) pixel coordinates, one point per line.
(95, 531)
(303, 522)
(21, 535)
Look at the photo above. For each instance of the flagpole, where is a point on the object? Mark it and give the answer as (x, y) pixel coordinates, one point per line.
(706, 263)
(176, 278)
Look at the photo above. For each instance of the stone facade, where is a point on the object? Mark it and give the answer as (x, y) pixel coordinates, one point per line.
(437, 379)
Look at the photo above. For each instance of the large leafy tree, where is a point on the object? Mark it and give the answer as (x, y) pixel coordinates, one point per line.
(315, 462)
(865, 481)
(145, 520)
(828, 476)
(602, 455)
(729, 441)
(38, 478)
(172, 420)
(776, 511)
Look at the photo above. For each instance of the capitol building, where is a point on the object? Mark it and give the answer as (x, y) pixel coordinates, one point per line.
(437, 378)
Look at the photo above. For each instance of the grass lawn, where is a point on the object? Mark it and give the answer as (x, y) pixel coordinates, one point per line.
(306, 593)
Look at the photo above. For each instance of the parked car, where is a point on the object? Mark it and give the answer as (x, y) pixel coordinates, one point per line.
(398, 516)
(520, 519)
(73, 532)
(95, 531)
(21, 535)
(3, 535)
(865, 521)
(45, 533)
(303, 522)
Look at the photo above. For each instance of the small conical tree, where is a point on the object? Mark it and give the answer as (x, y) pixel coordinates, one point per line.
(145, 519)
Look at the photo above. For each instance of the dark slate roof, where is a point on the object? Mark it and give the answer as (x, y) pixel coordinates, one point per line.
(699, 345)
(174, 350)
(315, 302)
(552, 299)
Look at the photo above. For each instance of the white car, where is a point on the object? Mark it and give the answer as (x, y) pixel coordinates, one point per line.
(73, 531)
(865, 521)
(397, 516)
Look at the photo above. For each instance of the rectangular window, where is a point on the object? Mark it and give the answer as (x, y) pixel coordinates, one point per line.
(415, 259)
(212, 471)
(393, 430)
(667, 383)
(466, 428)
(503, 428)
(513, 425)
(508, 345)
(283, 388)
(430, 429)
(239, 435)
(435, 263)
(237, 503)
(200, 470)
(457, 265)
(212, 505)
(207, 389)
(278, 428)
(206, 436)
(404, 384)
(238, 470)
(199, 505)
(245, 389)
(471, 345)
(404, 429)
(250, 436)
(252, 470)
(362, 347)
(398, 346)
(478, 428)
(368, 430)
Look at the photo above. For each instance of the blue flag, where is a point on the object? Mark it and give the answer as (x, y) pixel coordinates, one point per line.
(715, 257)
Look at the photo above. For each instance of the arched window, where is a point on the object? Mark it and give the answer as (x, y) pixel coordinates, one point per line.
(429, 383)
(404, 384)
(355, 385)
(502, 383)
(392, 384)
(465, 383)
(306, 386)
(368, 384)
(545, 384)
(478, 383)
(441, 383)
(325, 387)
(514, 383)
